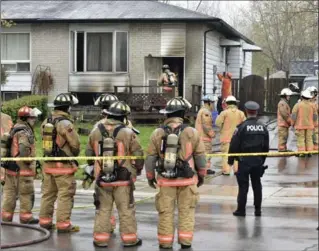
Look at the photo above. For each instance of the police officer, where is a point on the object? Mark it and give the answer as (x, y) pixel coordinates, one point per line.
(115, 178)
(60, 139)
(249, 137)
(204, 125)
(20, 174)
(179, 154)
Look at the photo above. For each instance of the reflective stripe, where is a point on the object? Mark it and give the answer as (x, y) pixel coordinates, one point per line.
(309, 148)
(168, 89)
(101, 237)
(150, 175)
(129, 237)
(301, 149)
(315, 147)
(113, 220)
(202, 172)
(185, 235)
(120, 150)
(45, 221)
(189, 152)
(165, 238)
(7, 215)
(25, 216)
(116, 183)
(25, 173)
(205, 139)
(59, 170)
(282, 147)
(176, 182)
(2, 177)
(63, 225)
(15, 146)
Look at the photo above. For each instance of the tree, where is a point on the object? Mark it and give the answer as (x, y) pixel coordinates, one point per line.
(286, 31)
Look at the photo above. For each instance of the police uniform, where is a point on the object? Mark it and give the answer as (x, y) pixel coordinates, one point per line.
(20, 183)
(182, 189)
(58, 176)
(119, 190)
(249, 137)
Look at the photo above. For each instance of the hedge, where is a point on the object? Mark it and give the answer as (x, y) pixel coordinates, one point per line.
(11, 107)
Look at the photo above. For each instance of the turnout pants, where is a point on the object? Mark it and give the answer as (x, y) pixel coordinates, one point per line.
(208, 150)
(315, 139)
(243, 185)
(61, 188)
(224, 147)
(305, 139)
(23, 188)
(103, 200)
(282, 138)
(186, 198)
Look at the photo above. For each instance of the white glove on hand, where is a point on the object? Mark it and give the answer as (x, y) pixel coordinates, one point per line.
(89, 170)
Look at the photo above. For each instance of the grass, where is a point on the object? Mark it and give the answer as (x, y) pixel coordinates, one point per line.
(146, 131)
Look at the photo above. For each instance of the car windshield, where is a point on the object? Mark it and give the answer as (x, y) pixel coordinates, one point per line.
(308, 83)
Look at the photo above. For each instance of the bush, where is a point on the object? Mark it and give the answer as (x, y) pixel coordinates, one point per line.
(11, 107)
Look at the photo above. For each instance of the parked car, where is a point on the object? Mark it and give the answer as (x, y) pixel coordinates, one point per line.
(310, 81)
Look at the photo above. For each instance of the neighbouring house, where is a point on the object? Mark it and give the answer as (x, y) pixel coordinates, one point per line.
(92, 46)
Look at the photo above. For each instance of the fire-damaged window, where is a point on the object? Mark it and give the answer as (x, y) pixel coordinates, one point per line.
(15, 52)
(99, 51)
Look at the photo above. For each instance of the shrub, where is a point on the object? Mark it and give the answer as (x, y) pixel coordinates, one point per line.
(11, 107)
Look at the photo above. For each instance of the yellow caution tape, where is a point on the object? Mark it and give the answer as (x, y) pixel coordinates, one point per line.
(143, 157)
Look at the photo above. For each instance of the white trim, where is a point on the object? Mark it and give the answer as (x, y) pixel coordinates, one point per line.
(223, 42)
(85, 49)
(75, 51)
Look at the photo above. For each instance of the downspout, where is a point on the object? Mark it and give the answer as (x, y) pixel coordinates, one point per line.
(205, 38)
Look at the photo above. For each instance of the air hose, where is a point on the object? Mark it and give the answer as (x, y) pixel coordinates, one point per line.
(28, 242)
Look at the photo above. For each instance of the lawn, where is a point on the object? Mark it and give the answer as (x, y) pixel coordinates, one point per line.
(145, 130)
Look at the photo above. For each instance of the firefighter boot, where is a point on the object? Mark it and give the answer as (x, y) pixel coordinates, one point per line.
(185, 246)
(137, 243)
(31, 221)
(70, 229)
(239, 213)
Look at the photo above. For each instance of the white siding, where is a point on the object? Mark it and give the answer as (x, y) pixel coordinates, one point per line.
(19, 82)
(234, 61)
(214, 56)
(173, 38)
(247, 64)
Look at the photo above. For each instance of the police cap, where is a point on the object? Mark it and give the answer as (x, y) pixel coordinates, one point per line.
(251, 106)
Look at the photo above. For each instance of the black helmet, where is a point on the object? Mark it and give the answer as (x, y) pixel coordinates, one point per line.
(105, 100)
(165, 66)
(65, 99)
(118, 108)
(176, 104)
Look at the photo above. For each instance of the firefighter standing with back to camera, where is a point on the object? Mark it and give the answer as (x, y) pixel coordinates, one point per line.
(168, 80)
(283, 119)
(227, 121)
(60, 139)
(204, 125)
(115, 178)
(304, 117)
(249, 137)
(314, 92)
(179, 154)
(20, 174)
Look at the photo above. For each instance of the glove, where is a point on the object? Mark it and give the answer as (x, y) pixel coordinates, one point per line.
(152, 183)
(200, 181)
(89, 177)
(89, 170)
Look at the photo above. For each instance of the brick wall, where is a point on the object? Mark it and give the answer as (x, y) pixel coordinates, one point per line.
(144, 39)
(50, 47)
(193, 59)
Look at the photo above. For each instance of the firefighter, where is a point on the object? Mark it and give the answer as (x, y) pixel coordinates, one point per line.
(5, 127)
(204, 125)
(177, 153)
(249, 137)
(304, 117)
(168, 79)
(20, 174)
(227, 122)
(283, 119)
(226, 79)
(60, 139)
(314, 92)
(115, 178)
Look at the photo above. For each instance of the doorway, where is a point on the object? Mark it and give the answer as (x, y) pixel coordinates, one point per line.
(176, 65)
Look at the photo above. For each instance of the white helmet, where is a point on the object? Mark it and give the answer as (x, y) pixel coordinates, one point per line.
(286, 92)
(231, 99)
(312, 89)
(306, 94)
(35, 112)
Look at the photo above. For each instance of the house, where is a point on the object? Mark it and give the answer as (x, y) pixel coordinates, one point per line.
(91, 46)
(300, 69)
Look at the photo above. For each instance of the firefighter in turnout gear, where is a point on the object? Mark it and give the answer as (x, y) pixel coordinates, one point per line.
(6, 125)
(167, 80)
(283, 119)
(60, 139)
(226, 79)
(115, 178)
(227, 122)
(177, 153)
(20, 174)
(204, 125)
(249, 137)
(304, 118)
(314, 92)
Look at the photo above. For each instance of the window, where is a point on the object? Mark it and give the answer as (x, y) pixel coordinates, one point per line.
(10, 95)
(15, 52)
(99, 51)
